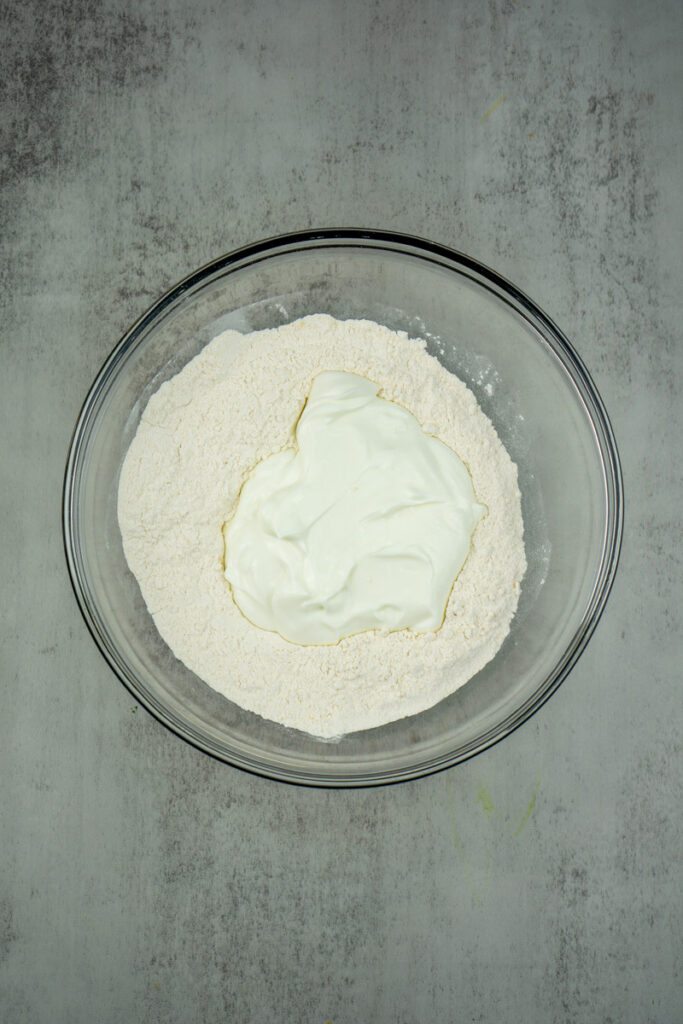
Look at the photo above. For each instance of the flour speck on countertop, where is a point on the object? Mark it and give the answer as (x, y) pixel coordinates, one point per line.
(204, 431)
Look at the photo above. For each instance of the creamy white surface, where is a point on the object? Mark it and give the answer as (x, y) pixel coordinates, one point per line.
(363, 524)
(198, 439)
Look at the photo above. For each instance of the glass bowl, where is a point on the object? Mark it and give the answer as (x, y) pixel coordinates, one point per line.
(526, 377)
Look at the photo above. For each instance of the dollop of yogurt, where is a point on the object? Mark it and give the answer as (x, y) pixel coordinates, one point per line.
(363, 525)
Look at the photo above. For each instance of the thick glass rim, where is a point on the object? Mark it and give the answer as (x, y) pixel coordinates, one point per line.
(551, 336)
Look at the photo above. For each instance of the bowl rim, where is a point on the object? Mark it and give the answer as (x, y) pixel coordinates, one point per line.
(428, 251)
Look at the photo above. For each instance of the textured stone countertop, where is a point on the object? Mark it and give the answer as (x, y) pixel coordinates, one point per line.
(139, 879)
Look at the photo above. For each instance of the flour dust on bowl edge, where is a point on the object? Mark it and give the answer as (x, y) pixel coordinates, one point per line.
(526, 378)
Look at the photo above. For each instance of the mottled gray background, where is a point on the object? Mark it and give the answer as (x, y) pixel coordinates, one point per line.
(142, 881)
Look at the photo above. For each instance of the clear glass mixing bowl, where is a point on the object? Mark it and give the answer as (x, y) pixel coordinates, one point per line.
(527, 379)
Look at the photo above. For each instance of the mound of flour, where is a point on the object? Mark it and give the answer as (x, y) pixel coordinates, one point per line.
(202, 433)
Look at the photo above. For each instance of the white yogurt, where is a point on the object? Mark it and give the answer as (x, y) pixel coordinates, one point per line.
(364, 525)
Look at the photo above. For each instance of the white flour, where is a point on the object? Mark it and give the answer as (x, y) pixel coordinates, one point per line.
(199, 437)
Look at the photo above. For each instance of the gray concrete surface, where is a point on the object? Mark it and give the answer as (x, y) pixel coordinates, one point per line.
(141, 881)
